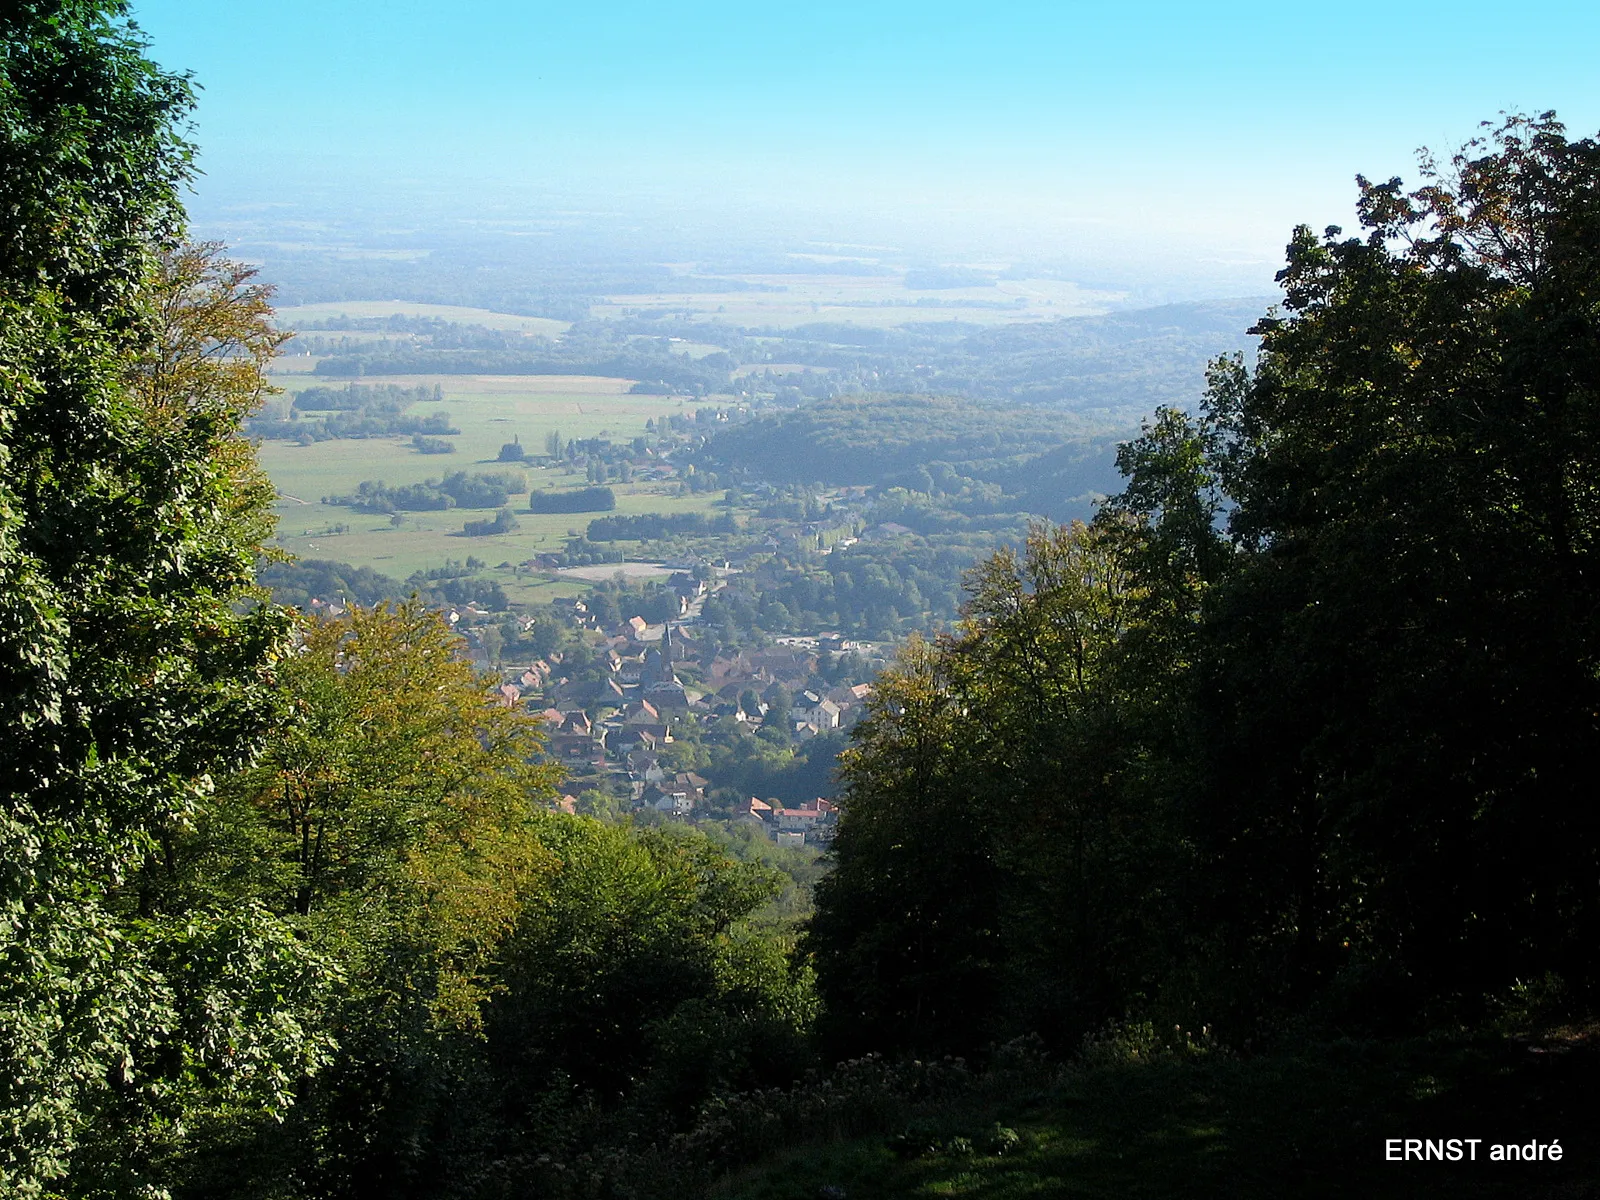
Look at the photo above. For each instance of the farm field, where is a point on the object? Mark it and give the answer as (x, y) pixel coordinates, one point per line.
(877, 302)
(489, 411)
(427, 539)
(302, 315)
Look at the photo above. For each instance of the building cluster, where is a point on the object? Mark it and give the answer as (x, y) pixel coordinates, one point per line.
(809, 821)
(649, 683)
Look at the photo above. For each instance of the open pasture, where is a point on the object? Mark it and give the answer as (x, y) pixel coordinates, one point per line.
(427, 539)
(874, 301)
(489, 411)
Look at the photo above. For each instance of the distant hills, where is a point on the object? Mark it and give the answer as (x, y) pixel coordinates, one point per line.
(1109, 369)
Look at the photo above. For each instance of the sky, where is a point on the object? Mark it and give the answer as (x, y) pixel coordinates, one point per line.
(1205, 130)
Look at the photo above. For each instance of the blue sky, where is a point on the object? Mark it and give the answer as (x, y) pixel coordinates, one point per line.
(1209, 126)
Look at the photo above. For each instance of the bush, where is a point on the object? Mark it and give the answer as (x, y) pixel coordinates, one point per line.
(504, 522)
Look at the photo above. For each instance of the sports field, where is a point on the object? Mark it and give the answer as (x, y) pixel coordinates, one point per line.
(489, 411)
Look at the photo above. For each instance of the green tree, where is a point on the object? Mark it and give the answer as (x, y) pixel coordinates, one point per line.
(906, 934)
(1001, 859)
(392, 821)
(1403, 671)
(130, 674)
(634, 977)
(1303, 721)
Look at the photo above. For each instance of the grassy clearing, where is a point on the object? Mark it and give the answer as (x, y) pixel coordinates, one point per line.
(489, 410)
(1310, 1123)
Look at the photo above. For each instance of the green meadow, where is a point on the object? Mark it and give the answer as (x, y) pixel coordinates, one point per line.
(871, 301)
(489, 411)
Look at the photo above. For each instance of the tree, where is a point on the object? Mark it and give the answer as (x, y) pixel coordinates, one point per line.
(1305, 721)
(999, 861)
(130, 671)
(905, 937)
(617, 966)
(391, 821)
(1402, 679)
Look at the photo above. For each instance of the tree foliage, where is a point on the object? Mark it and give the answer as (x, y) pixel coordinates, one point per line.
(1301, 722)
(129, 676)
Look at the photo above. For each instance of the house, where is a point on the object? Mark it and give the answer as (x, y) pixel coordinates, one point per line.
(632, 737)
(641, 712)
(657, 668)
(844, 697)
(687, 585)
(607, 693)
(678, 795)
(781, 661)
(669, 799)
(694, 784)
(646, 766)
(666, 694)
(753, 810)
(682, 645)
(813, 819)
(571, 746)
(825, 715)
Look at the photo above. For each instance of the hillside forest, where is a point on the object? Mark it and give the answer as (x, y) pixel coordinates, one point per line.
(1287, 748)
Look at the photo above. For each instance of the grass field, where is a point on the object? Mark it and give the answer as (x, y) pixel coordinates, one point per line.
(489, 411)
(297, 316)
(872, 301)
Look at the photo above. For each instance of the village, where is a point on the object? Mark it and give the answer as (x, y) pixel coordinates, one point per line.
(650, 688)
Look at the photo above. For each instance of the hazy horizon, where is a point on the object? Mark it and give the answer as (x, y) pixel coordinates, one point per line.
(1158, 149)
